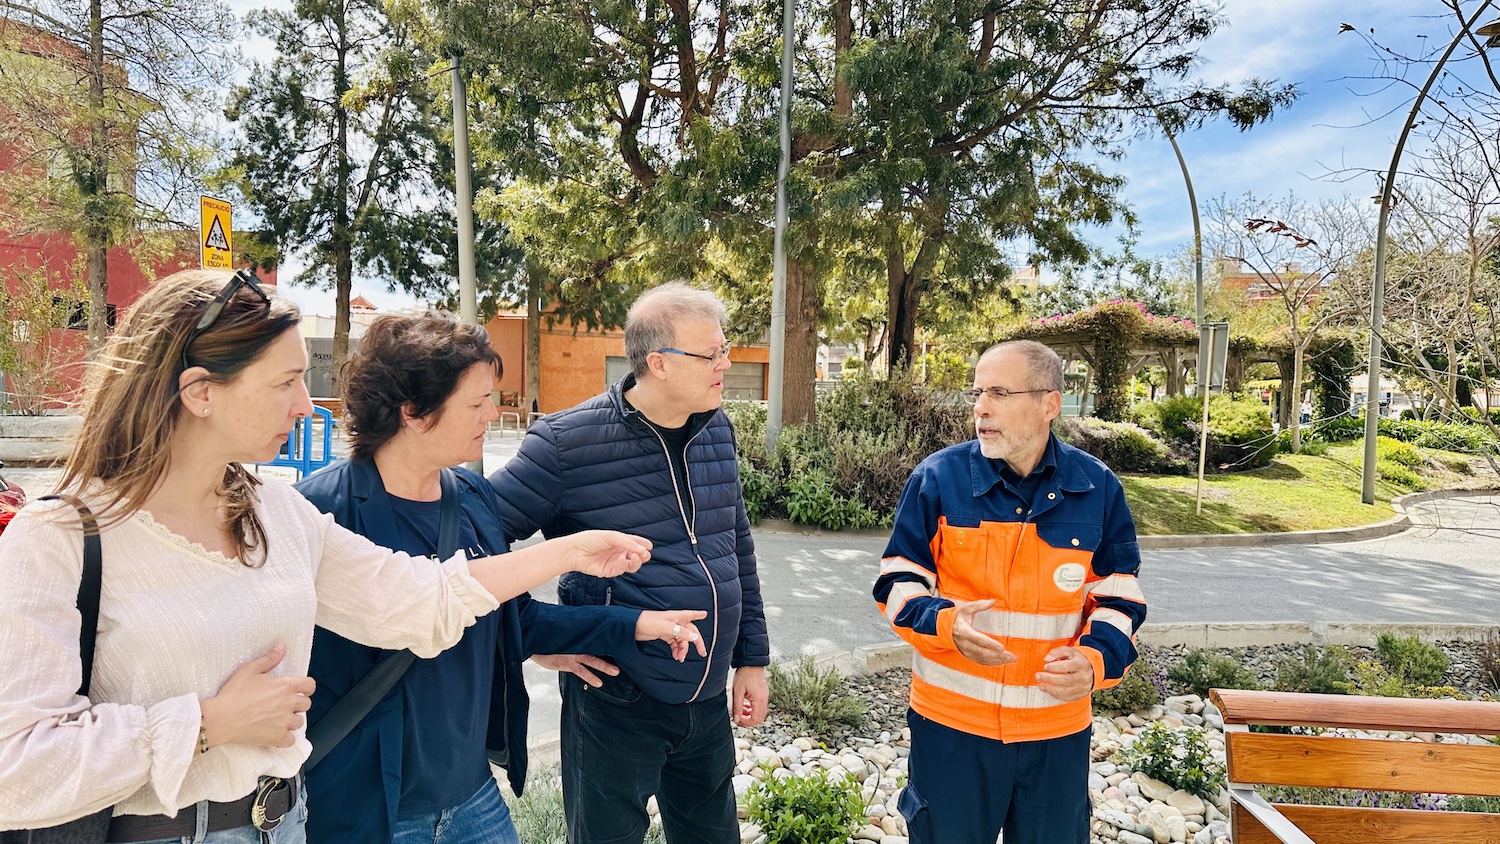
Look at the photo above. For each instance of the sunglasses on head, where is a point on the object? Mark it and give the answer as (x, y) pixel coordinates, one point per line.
(243, 278)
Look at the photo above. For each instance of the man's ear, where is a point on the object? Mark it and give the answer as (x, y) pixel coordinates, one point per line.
(656, 364)
(1052, 405)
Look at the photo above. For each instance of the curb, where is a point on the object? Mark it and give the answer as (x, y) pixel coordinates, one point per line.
(545, 748)
(1167, 542)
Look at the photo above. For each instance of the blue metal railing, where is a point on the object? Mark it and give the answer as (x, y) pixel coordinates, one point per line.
(298, 452)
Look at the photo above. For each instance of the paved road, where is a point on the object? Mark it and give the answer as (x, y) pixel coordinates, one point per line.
(1445, 570)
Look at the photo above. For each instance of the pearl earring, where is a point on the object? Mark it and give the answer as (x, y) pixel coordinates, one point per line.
(205, 411)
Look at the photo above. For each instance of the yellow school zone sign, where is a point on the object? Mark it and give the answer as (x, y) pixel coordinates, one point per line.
(215, 232)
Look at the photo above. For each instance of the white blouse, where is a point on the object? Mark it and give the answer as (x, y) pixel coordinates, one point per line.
(175, 621)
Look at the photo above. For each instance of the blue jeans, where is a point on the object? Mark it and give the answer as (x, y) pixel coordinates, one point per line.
(482, 819)
(620, 746)
(291, 830)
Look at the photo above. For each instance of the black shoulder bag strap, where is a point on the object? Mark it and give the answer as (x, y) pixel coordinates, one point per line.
(88, 587)
(352, 708)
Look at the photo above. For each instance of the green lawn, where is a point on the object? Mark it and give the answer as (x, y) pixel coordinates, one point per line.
(1296, 492)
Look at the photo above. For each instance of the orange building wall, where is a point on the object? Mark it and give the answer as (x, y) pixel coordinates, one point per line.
(508, 336)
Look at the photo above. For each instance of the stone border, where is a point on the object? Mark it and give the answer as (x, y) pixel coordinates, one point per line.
(545, 748)
(1167, 542)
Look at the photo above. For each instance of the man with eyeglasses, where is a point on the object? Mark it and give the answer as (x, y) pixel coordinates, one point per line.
(1011, 569)
(655, 455)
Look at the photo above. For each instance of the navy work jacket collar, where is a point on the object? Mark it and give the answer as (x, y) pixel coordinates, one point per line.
(637, 421)
(377, 521)
(1067, 477)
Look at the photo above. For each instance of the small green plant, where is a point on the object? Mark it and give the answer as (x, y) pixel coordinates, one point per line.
(1323, 671)
(1133, 693)
(1397, 451)
(538, 814)
(1489, 659)
(1314, 448)
(1467, 803)
(815, 699)
(759, 489)
(1413, 661)
(1373, 679)
(1178, 757)
(1202, 670)
(1399, 475)
(813, 500)
(806, 810)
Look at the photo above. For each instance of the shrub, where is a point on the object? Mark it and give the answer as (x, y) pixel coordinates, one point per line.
(1411, 660)
(1448, 436)
(1335, 429)
(815, 699)
(1134, 693)
(1323, 671)
(758, 490)
(1314, 448)
(1202, 670)
(1180, 758)
(1397, 451)
(811, 499)
(1239, 427)
(1123, 446)
(1467, 803)
(806, 810)
(1399, 475)
(1489, 659)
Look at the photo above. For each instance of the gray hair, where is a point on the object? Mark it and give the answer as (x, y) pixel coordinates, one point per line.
(1043, 365)
(652, 319)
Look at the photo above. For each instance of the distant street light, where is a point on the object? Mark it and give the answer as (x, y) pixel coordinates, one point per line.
(1490, 31)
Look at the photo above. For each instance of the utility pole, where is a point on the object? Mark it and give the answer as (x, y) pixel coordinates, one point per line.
(468, 304)
(777, 374)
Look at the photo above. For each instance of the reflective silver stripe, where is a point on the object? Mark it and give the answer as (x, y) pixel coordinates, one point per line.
(1021, 625)
(983, 691)
(1117, 586)
(1114, 618)
(901, 592)
(891, 565)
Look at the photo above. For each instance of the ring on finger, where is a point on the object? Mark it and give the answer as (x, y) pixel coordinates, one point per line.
(676, 631)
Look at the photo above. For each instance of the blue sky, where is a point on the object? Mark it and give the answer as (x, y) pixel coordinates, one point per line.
(1330, 128)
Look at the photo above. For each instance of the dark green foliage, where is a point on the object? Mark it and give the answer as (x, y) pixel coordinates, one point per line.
(1134, 693)
(1202, 670)
(1123, 446)
(1332, 361)
(848, 469)
(1411, 660)
(1334, 430)
(1467, 803)
(1323, 671)
(1448, 436)
(1178, 757)
(1239, 428)
(806, 810)
(814, 698)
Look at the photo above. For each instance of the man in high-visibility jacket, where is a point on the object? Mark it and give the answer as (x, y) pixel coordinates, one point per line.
(1011, 570)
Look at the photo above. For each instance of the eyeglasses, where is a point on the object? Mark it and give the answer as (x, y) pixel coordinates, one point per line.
(721, 353)
(245, 278)
(995, 393)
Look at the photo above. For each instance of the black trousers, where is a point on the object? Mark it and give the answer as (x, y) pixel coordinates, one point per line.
(964, 789)
(620, 746)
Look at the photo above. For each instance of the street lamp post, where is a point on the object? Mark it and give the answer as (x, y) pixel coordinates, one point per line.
(1377, 289)
(1198, 305)
(775, 380)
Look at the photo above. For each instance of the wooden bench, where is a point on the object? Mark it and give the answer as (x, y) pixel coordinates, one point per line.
(1358, 763)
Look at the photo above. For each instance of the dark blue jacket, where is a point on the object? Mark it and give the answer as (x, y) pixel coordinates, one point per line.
(358, 785)
(598, 465)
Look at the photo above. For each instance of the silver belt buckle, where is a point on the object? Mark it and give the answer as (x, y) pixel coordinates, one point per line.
(263, 792)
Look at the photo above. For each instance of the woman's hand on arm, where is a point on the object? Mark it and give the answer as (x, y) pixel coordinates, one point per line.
(675, 627)
(600, 553)
(255, 708)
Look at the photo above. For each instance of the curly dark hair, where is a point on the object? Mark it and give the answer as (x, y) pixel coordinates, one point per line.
(410, 362)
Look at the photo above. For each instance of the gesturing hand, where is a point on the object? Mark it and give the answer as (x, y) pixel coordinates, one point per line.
(256, 708)
(974, 645)
(607, 553)
(583, 665)
(1066, 675)
(675, 627)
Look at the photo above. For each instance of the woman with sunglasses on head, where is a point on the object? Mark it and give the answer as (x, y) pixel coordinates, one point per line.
(416, 769)
(212, 583)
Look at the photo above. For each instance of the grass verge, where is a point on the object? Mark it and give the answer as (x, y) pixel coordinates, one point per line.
(1295, 492)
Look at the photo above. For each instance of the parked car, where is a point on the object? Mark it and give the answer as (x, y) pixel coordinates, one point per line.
(12, 498)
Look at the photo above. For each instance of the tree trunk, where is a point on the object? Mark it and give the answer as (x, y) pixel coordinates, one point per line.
(843, 39)
(804, 305)
(1288, 389)
(96, 188)
(1083, 392)
(1296, 417)
(343, 256)
(904, 295)
(532, 399)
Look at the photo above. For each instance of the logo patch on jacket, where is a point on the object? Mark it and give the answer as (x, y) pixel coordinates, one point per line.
(1069, 577)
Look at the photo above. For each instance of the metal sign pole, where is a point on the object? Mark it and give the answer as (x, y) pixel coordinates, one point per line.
(1206, 386)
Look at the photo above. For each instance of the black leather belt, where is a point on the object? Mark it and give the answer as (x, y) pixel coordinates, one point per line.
(263, 808)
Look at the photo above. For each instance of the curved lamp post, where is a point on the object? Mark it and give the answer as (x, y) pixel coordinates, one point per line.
(1491, 31)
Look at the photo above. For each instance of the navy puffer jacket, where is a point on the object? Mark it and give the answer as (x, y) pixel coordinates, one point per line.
(600, 465)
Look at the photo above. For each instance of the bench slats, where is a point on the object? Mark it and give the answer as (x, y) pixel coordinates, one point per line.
(1364, 763)
(1358, 712)
(1339, 825)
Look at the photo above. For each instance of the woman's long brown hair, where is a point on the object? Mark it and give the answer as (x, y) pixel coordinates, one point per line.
(131, 406)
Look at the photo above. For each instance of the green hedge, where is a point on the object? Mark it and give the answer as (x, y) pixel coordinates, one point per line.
(1239, 428)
